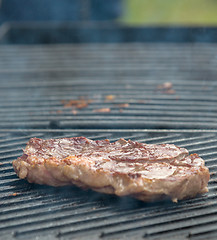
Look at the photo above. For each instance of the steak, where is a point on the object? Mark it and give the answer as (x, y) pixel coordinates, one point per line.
(145, 171)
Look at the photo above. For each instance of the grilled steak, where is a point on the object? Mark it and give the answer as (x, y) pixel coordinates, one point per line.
(145, 171)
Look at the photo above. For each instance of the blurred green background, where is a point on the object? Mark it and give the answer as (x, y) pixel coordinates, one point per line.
(170, 12)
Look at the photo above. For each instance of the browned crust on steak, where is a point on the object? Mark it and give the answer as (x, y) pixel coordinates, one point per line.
(145, 171)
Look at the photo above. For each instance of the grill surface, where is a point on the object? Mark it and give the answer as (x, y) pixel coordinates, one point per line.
(34, 81)
(30, 211)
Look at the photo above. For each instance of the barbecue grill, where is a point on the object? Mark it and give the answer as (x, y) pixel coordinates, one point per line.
(36, 83)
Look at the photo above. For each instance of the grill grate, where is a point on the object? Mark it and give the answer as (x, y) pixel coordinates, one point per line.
(35, 79)
(29, 211)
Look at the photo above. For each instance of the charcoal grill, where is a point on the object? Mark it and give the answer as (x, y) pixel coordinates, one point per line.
(35, 79)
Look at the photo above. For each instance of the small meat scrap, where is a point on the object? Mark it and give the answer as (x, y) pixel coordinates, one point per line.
(74, 112)
(123, 105)
(167, 88)
(59, 111)
(110, 97)
(79, 103)
(102, 110)
(166, 85)
(13, 194)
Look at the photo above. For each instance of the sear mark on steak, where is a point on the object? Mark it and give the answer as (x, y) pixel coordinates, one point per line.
(145, 171)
